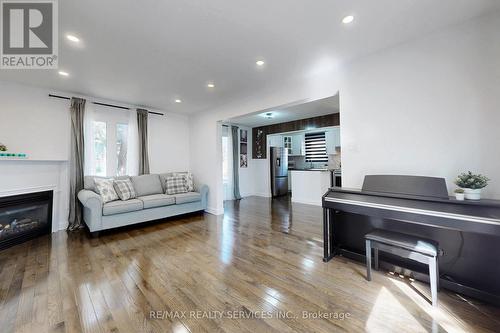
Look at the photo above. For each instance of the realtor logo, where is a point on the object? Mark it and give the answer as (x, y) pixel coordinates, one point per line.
(28, 34)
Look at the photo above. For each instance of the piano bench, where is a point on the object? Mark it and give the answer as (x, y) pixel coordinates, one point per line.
(425, 251)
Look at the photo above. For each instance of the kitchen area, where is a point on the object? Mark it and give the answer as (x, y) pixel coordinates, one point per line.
(313, 163)
(294, 151)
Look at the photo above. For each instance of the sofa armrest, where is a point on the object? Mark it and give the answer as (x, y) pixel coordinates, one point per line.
(92, 209)
(203, 190)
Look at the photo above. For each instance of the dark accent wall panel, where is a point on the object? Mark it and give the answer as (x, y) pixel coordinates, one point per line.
(259, 134)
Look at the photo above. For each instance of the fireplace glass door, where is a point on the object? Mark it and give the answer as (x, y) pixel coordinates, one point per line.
(25, 216)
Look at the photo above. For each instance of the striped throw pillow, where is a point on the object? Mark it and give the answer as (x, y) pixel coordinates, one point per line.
(175, 185)
(124, 189)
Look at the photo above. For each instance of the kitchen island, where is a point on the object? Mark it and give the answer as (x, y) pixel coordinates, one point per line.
(309, 185)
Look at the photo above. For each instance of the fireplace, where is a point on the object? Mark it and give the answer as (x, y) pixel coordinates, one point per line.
(25, 216)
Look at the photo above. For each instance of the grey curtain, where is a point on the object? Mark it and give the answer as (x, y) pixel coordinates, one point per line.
(76, 163)
(236, 163)
(142, 124)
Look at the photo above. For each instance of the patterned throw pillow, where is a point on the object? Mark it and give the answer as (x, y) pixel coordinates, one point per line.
(188, 176)
(105, 189)
(175, 185)
(124, 189)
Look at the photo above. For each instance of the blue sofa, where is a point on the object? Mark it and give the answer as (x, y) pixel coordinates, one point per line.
(151, 203)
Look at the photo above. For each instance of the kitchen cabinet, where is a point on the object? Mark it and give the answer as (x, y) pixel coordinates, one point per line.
(275, 141)
(297, 144)
(287, 143)
(332, 140)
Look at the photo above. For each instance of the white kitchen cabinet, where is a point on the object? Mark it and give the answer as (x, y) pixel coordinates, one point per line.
(297, 144)
(332, 139)
(287, 143)
(275, 141)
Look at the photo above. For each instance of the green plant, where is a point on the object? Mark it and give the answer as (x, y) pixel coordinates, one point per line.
(472, 181)
(459, 190)
(3, 147)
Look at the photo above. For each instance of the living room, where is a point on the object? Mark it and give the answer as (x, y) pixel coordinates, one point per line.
(124, 150)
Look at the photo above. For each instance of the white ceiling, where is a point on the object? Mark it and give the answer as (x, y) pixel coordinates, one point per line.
(316, 108)
(151, 52)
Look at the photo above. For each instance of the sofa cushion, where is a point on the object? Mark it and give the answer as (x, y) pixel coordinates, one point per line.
(125, 189)
(187, 197)
(147, 185)
(176, 184)
(157, 200)
(188, 175)
(106, 190)
(117, 207)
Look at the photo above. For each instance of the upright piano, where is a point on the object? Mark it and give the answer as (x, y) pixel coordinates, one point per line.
(468, 231)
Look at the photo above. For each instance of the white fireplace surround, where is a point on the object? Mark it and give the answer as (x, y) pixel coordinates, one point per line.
(29, 176)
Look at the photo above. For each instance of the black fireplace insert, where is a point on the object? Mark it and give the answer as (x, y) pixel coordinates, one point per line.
(25, 216)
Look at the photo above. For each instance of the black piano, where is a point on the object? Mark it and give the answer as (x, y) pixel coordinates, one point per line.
(468, 232)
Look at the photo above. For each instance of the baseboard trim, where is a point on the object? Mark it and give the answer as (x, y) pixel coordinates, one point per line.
(214, 211)
(313, 203)
(265, 195)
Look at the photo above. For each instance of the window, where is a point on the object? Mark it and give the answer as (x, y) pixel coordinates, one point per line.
(110, 146)
(99, 145)
(121, 149)
(315, 147)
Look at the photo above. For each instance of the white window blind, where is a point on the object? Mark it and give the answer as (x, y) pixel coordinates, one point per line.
(316, 147)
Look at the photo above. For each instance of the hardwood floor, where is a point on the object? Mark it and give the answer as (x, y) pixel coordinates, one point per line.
(262, 260)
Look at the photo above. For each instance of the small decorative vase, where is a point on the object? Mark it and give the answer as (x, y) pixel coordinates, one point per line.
(472, 194)
(460, 196)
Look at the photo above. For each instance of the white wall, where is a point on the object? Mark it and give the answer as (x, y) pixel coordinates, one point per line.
(168, 143)
(33, 123)
(427, 107)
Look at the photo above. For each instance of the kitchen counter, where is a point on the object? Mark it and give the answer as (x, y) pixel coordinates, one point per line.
(313, 169)
(308, 187)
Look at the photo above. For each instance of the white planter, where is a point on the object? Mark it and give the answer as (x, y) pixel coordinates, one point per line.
(460, 196)
(472, 194)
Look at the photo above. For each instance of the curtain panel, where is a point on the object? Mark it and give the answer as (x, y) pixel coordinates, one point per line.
(77, 158)
(142, 124)
(236, 163)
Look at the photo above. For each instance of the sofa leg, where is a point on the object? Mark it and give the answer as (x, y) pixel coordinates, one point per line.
(94, 234)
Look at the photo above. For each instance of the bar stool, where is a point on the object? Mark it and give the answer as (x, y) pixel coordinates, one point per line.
(422, 250)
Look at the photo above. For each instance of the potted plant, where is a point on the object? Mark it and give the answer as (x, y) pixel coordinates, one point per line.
(459, 194)
(472, 184)
(3, 147)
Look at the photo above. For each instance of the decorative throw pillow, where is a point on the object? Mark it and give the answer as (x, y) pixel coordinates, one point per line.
(125, 189)
(105, 189)
(189, 180)
(175, 185)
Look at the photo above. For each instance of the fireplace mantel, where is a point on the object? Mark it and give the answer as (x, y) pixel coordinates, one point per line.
(26, 190)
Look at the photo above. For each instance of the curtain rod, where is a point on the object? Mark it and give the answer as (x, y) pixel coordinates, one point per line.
(104, 104)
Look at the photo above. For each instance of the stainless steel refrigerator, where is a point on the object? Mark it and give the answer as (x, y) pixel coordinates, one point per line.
(279, 171)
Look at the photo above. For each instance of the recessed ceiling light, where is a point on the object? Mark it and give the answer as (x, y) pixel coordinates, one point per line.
(211, 85)
(63, 73)
(348, 19)
(73, 38)
(178, 101)
(260, 63)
